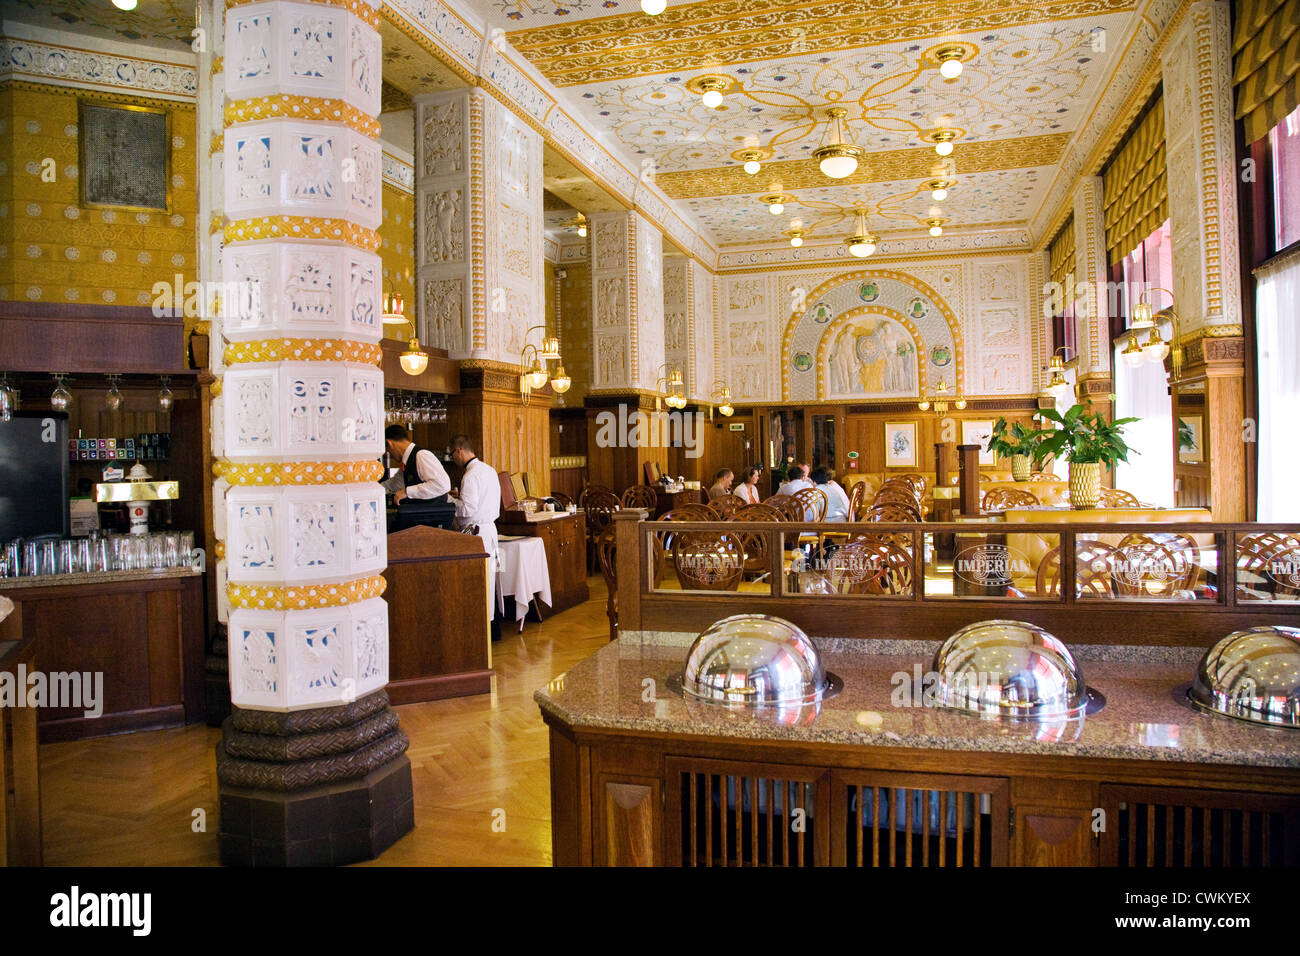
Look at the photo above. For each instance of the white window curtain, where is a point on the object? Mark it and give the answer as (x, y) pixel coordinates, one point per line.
(1143, 392)
(1277, 335)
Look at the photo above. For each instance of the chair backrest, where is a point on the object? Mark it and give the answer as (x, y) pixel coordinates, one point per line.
(591, 489)
(1156, 564)
(899, 485)
(857, 498)
(917, 481)
(600, 507)
(724, 506)
(891, 512)
(561, 499)
(870, 564)
(790, 509)
(755, 545)
(1094, 565)
(813, 501)
(893, 497)
(1118, 498)
(689, 513)
(640, 496)
(1000, 499)
(709, 560)
(1266, 564)
(606, 558)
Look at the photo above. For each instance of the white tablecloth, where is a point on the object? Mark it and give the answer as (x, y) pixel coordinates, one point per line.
(522, 574)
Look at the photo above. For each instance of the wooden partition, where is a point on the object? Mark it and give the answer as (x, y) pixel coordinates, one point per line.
(918, 615)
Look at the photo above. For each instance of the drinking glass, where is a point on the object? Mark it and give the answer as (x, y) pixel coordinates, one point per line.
(64, 557)
(171, 550)
(45, 556)
(14, 557)
(100, 559)
(155, 545)
(186, 548)
(31, 558)
(83, 555)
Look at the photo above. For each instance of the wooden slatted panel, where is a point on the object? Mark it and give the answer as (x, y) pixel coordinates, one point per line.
(888, 819)
(752, 816)
(1172, 827)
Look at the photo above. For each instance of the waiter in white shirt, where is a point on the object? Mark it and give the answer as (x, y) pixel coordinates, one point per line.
(424, 477)
(478, 504)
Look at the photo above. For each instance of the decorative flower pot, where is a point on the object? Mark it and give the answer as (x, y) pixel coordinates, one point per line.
(1085, 484)
(1020, 467)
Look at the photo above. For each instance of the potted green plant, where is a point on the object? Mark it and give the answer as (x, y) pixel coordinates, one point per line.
(1087, 441)
(1017, 442)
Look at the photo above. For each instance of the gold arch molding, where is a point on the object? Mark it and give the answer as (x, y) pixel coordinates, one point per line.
(954, 325)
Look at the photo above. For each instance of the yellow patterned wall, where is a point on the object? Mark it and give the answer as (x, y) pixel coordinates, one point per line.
(59, 252)
(575, 322)
(397, 251)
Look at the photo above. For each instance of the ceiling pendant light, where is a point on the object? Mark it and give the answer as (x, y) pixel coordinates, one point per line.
(751, 158)
(936, 225)
(862, 243)
(653, 7)
(943, 141)
(796, 238)
(776, 201)
(124, 4)
(838, 158)
(712, 88)
(949, 62)
(776, 208)
(938, 188)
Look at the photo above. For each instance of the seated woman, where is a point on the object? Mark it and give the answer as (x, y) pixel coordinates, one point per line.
(721, 484)
(748, 487)
(837, 500)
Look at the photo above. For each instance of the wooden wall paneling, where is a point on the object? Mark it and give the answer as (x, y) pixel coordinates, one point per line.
(570, 799)
(1225, 397)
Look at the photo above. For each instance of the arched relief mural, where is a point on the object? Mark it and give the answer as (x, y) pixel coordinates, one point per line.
(871, 352)
(897, 302)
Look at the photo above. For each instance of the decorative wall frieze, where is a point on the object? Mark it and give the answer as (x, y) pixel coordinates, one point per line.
(57, 64)
(890, 248)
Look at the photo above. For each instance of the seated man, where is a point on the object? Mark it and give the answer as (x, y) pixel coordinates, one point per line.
(837, 501)
(796, 479)
(423, 476)
(721, 484)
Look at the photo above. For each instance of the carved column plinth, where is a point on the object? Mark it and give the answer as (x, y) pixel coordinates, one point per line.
(321, 787)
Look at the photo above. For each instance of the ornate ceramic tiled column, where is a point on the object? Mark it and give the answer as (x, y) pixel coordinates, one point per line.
(688, 324)
(627, 301)
(311, 764)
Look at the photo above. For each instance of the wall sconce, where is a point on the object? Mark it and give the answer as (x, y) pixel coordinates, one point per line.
(673, 387)
(533, 376)
(415, 359)
(1057, 386)
(1154, 348)
(939, 400)
(722, 393)
(165, 396)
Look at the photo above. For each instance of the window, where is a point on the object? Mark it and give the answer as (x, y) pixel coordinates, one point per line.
(1284, 146)
(1277, 290)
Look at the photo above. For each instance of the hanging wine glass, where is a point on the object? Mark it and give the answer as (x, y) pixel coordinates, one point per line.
(165, 395)
(113, 400)
(7, 399)
(60, 398)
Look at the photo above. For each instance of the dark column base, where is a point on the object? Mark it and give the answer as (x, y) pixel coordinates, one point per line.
(319, 787)
(328, 825)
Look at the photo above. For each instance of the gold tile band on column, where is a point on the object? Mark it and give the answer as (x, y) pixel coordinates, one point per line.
(298, 472)
(218, 549)
(216, 145)
(300, 107)
(276, 597)
(302, 227)
(304, 350)
(216, 224)
(359, 7)
(218, 64)
(215, 387)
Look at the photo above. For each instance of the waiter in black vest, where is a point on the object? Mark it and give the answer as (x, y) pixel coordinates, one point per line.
(424, 477)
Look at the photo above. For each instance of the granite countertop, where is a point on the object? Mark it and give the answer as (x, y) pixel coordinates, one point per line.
(1145, 717)
(98, 577)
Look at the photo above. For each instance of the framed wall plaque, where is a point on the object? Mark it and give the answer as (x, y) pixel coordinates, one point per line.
(125, 156)
(900, 444)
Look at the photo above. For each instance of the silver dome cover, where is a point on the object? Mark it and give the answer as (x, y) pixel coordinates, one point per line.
(1252, 674)
(1009, 669)
(754, 659)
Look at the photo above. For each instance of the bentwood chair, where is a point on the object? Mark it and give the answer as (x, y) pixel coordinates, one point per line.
(1000, 499)
(709, 560)
(870, 564)
(790, 509)
(640, 496)
(1094, 565)
(1157, 564)
(662, 541)
(755, 545)
(606, 558)
(891, 511)
(1268, 567)
(724, 506)
(857, 498)
(1117, 498)
(600, 507)
(589, 490)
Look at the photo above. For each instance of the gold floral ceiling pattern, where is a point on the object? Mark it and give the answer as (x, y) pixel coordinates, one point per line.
(161, 23)
(1030, 71)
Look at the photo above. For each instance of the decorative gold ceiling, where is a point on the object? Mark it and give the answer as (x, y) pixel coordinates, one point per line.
(161, 23)
(1031, 69)
(570, 50)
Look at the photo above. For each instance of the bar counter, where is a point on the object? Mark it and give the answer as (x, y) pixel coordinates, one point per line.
(633, 779)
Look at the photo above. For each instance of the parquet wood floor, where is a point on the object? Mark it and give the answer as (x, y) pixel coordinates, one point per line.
(130, 800)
